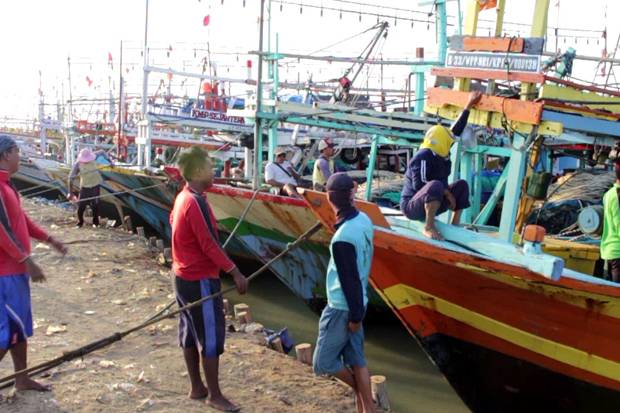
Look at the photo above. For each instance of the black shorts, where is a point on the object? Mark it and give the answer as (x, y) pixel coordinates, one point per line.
(203, 326)
(613, 269)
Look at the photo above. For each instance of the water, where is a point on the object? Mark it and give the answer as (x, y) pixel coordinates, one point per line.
(414, 383)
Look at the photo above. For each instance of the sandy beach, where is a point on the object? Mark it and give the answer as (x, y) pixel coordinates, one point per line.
(110, 281)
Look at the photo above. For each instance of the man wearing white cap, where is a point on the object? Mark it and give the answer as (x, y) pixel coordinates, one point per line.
(280, 174)
(324, 165)
(90, 180)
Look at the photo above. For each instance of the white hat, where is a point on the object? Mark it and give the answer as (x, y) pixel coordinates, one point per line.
(325, 144)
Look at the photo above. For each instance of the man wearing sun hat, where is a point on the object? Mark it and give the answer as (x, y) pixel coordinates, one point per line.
(90, 180)
(426, 192)
(324, 165)
(280, 174)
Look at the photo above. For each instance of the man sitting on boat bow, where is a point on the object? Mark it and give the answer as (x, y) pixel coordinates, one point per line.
(280, 174)
(426, 192)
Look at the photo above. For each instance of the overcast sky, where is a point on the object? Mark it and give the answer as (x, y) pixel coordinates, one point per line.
(39, 35)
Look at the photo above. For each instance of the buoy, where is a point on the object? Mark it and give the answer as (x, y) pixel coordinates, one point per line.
(590, 220)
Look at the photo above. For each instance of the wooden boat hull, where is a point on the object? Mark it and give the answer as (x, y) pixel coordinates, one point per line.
(505, 337)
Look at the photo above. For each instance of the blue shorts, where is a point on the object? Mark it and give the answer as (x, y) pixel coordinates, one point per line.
(203, 326)
(15, 310)
(336, 346)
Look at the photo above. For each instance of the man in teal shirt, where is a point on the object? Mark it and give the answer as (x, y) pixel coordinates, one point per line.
(610, 242)
(340, 346)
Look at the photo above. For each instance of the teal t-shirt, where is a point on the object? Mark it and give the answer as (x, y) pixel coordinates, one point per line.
(610, 243)
(359, 232)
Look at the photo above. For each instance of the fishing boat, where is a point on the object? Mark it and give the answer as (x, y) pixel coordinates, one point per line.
(510, 327)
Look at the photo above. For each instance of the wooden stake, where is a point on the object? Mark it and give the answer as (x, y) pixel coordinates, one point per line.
(152, 242)
(127, 222)
(379, 391)
(226, 305)
(241, 308)
(159, 244)
(168, 255)
(304, 353)
(140, 232)
(276, 344)
(244, 318)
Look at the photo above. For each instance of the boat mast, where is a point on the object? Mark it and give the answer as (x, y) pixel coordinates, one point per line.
(258, 141)
(144, 127)
(121, 104)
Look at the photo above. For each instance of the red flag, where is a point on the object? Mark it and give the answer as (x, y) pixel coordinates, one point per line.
(206, 20)
(487, 4)
(110, 60)
(90, 82)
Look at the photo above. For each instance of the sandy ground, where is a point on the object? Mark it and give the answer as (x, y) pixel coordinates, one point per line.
(108, 282)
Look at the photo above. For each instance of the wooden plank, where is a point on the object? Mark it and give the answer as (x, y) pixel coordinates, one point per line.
(593, 113)
(571, 94)
(583, 124)
(582, 87)
(516, 110)
(493, 44)
(488, 74)
(495, 120)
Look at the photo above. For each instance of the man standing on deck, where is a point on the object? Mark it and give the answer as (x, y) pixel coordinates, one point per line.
(280, 174)
(426, 192)
(198, 260)
(324, 165)
(340, 345)
(610, 241)
(17, 267)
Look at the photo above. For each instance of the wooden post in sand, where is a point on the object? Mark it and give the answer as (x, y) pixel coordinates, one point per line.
(242, 308)
(159, 244)
(244, 318)
(276, 344)
(152, 243)
(168, 255)
(128, 224)
(226, 304)
(141, 233)
(304, 353)
(379, 391)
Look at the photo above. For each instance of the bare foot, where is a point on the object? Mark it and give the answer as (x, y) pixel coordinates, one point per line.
(198, 393)
(432, 233)
(29, 384)
(222, 404)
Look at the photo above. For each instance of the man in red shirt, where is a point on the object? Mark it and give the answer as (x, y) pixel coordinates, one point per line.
(197, 261)
(16, 267)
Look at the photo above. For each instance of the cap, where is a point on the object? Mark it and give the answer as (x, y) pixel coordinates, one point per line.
(340, 182)
(325, 143)
(6, 143)
(280, 150)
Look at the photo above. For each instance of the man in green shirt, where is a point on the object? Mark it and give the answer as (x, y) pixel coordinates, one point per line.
(610, 243)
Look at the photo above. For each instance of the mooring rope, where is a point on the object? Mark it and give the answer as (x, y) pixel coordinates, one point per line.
(106, 341)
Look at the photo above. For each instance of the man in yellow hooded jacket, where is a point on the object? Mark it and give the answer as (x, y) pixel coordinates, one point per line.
(426, 192)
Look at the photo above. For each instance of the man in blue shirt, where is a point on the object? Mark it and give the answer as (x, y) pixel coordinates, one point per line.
(426, 192)
(340, 345)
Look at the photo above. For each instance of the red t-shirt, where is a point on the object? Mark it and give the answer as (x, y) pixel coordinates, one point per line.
(16, 229)
(196, 254)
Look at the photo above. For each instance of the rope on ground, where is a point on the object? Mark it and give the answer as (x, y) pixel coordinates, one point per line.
(106, 341)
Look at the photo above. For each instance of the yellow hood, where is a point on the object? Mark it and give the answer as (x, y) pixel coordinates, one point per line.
(439, 140)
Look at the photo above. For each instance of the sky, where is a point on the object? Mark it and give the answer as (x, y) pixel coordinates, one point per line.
(39, 35)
